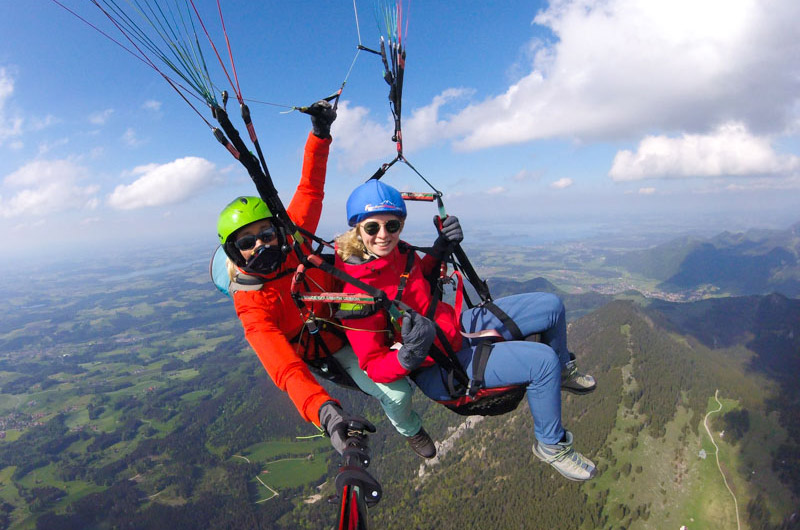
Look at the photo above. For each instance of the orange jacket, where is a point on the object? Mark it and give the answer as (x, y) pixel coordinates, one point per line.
(270, 317)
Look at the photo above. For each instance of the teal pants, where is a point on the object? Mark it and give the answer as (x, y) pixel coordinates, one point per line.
(395, 397)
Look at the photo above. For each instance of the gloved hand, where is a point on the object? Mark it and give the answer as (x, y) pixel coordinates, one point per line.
(331, 418)
(418, 334)
(322, 116)
(335, 423)
(450, 234)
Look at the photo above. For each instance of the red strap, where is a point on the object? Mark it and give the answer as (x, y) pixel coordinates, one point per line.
(459, 294)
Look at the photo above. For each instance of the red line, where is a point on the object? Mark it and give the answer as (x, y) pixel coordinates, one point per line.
(221, 63)
(230, 54)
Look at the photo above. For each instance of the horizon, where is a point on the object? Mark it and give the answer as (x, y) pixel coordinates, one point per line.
(558, 120)
(198, 250)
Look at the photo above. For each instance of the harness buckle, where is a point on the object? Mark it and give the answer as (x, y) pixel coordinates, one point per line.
(473, 387)
(311, 325)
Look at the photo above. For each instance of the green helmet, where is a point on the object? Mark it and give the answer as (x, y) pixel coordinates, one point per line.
(240, 212)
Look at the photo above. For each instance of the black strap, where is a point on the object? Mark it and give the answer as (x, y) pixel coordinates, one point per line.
(457, 378)
(479, 360)
(410, 254)
(506, 320)
(432, 308)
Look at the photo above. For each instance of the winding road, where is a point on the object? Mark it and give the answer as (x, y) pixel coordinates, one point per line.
(274, 492)
(716, 453)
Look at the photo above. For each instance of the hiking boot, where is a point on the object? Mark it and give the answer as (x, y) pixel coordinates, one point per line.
(565, 459)
(422, 444)
(574, 381)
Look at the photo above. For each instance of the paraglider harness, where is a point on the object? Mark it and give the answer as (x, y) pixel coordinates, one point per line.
(468, 395)
(310, 342)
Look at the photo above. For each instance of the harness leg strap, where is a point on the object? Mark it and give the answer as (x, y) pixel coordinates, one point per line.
(479, 360)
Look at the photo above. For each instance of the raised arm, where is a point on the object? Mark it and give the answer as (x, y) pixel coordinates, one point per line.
(305, 208)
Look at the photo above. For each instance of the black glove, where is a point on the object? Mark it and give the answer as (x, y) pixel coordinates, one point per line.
(450, 234)
(331, 418)
(322, 116)
(418, 334)
(335, 423)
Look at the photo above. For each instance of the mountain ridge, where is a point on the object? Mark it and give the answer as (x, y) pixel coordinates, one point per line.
(758, 261)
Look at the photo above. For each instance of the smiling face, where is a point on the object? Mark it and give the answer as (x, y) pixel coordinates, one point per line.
(382, 240)
(248, 236)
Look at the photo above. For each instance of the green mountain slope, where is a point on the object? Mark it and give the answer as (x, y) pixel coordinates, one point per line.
(753, 262)
(643, 427)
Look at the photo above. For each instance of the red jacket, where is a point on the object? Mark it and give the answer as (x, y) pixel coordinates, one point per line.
(270, 317)
(373, 335)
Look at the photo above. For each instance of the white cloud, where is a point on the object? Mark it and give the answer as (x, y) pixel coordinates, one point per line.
(46, 147)
(497, 190)
(100, 117)
(560, 184)
(647, 191)
(526, 175)
(45, 187)
(10, 125)
(151, 105)
(360, 139)
(623, 67)
(164, 184)
(131, 139)
(731, 150)
(424, 127)
(38, 124)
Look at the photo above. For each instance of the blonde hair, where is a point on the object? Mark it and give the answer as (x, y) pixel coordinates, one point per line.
(232, 269)
(350, 244)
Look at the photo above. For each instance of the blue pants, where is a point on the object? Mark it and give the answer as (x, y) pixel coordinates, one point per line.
(536, 365)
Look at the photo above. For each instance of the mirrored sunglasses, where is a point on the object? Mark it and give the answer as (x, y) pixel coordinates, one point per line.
(248, 242)
(373, 227)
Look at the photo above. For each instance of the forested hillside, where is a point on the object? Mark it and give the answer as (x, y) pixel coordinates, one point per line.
(643, 427)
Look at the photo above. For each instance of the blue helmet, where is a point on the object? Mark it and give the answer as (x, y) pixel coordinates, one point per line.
(372, 198)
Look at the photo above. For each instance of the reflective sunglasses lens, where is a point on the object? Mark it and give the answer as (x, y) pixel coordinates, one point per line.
(246, 242)
(393, 226)
(267, 235)
(372, 228)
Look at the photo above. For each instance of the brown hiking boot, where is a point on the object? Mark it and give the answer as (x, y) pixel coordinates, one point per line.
(422, 444)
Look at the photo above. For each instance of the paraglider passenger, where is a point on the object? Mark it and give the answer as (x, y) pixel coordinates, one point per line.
(260, 269)
(373, 253)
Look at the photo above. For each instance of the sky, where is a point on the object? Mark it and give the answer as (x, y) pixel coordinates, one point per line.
(536, 120)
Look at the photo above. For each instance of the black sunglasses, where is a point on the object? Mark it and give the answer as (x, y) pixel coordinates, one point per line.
(373, 227)
(248, 242)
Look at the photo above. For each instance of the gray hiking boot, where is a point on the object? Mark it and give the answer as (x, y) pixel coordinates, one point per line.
(574, 381)
(565, 459)
(422, 444)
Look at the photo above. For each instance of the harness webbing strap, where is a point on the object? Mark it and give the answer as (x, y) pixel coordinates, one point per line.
(432, 308)
(479, 361)
(449, 361)
(404, 277)
(506, 320)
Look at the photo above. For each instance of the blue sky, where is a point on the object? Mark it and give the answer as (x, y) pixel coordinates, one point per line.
(533, 118)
